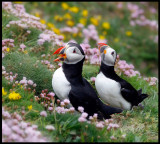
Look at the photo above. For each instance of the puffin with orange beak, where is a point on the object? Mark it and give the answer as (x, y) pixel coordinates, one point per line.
(68, 83)
(111, 88)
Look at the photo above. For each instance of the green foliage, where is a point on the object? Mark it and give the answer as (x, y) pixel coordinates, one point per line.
(23, 64)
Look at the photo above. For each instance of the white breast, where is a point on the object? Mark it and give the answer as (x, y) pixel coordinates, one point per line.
(109, 92)
(60, 84)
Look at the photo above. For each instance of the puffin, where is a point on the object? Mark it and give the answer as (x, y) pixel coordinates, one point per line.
(112, 89)
(68, 83)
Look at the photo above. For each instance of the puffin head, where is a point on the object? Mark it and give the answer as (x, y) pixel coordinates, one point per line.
(71, 53)
(108, 55)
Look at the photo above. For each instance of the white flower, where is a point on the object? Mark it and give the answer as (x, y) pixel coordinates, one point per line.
(50, 127)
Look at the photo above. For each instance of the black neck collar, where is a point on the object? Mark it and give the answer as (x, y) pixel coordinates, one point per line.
(73, 72)
(109, 72)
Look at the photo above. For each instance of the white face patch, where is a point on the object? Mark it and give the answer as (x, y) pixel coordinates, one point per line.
(73, 55)
(108, 56)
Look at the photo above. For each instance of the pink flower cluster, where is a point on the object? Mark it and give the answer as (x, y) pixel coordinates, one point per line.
(9, 76)
(46, 99)
(138, 17)
(22, 46)
(26, 20)
(127, 69)
(73, 30)
(50, 36)
(91, 33)
(92, 55)
(16, 130)
(83, 117)
(6, 43)
(48, 63)
(93, 120)
(12, 80)
(43, 113)
(152, 80)
(26, 82)
(93, 79)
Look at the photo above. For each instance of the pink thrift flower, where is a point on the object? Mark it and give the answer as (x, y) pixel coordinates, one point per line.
(22, 46)
(99, 125)
(30, 82)
(84, 114)
(112, 137)
(81, 109)
(82, 119)
(72, 109)
(43, 113)
(50, 108)
(62, 104)
(51, 94)
(59, 64)
(93, 79)
(90, 118)
(95, 115)
(34, 85)
(66, 101)
(127, 73)
(41, 41)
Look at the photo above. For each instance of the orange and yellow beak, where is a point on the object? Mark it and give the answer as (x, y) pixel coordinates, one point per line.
(62, 55)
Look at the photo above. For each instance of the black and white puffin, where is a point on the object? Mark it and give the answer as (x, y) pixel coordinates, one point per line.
(111, 88)
(68, 83)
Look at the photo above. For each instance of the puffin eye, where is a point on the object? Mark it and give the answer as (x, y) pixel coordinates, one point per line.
(74, 51)
(112, 53)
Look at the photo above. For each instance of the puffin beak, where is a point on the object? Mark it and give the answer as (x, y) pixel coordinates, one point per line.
(62, 55)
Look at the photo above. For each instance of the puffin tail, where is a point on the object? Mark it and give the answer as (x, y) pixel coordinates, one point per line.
(141, 96)
(108, 110)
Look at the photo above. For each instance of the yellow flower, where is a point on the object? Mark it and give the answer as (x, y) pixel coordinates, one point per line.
(75, 34)
(25, 51)
(70, 23)
(74, 9)
(128, 33)
(14, 96)
(42, 21)
(85, 13)
(30, 107)
(8, 49)
(50, 25)
(99, 17)
(58, 18)
(64, 37)
(57, 31)
(67, 16)
(116, 40)
(101, 37)
(106, 25)
(94, 21)
(3, 91)
(18, 2)
(64, 6)
(83, 21)
(37, 14)
(80, 34)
